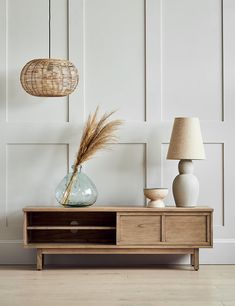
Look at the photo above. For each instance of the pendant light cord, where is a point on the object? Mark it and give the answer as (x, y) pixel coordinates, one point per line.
(49, 32)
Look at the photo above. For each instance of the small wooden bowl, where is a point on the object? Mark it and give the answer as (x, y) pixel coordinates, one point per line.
(156, 196)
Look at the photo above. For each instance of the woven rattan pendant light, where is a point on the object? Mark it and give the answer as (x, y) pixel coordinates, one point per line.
(49, 77)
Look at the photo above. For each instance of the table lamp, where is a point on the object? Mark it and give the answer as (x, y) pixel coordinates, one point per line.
(186, 144)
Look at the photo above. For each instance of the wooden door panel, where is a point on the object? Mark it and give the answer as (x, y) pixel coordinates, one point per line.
(186, 229)
(139, 229)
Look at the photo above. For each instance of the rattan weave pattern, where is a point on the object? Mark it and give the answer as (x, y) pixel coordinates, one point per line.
(49, 77)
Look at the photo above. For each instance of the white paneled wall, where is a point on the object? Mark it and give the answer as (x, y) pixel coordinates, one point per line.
(151, 60)
(26, 34)
(29, 167)
(115, 56)
(119, 174)
(192, 59)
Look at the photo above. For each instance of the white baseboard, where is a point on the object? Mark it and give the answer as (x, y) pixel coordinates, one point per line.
(223, 252)
(12, 252)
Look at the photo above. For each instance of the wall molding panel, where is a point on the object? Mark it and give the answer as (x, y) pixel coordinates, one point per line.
(141, 59)
(192, 59)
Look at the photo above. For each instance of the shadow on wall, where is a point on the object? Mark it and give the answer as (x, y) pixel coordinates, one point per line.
(115, 260)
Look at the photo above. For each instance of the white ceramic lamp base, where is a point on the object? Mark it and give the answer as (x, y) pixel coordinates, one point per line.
(185, 185)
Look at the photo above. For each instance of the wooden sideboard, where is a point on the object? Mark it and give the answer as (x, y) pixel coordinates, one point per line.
(117, 230)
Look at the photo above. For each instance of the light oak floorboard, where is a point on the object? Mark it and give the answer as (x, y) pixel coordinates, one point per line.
(212, 285)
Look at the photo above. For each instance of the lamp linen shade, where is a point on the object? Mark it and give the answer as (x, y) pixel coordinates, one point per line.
(186, 140)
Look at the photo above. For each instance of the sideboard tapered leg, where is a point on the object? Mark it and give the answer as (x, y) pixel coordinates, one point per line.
(192, 259)
(196, 259)
(39, 259)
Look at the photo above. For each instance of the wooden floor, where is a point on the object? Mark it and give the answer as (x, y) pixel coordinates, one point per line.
(165, 285)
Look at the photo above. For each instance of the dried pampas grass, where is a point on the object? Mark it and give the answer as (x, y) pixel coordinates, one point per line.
(97, 134)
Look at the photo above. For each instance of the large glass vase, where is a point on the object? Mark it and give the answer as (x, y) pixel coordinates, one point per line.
(76, 190)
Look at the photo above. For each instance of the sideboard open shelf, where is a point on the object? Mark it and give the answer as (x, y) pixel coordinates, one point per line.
(76, 227)
(118, 230)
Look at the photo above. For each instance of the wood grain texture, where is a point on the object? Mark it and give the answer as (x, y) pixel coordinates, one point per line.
(196, 259)
(139, 229)
(129, 231)
(114, 247)
(121, 250)
(192, 259)
(39, 259)
(187, 229)
(163, 228)
(118, 208)
(212, 285)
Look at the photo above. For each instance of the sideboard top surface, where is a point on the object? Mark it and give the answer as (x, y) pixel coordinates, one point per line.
(117, 209)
